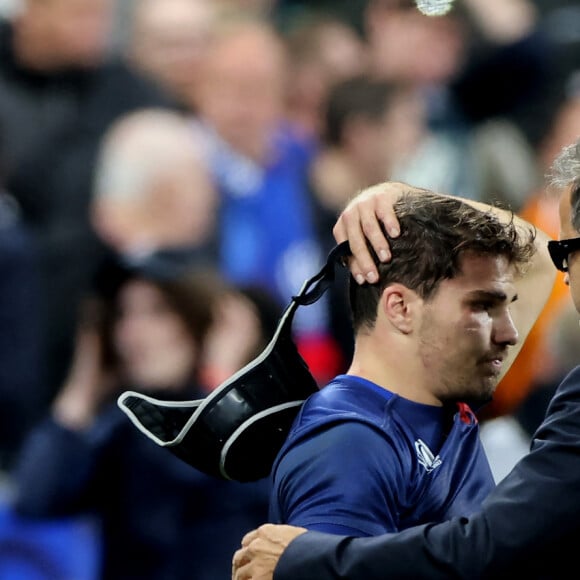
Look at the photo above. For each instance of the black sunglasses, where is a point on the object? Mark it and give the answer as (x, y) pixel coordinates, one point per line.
(559, 252)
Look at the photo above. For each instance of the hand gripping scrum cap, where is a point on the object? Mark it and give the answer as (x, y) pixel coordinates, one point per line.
(236, 431)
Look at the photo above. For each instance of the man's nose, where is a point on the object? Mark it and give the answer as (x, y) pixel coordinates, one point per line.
(506, 331)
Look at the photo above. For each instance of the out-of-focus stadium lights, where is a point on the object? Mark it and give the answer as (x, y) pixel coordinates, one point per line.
(434, 7)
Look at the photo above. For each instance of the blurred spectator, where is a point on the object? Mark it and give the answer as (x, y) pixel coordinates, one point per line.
(370, 127)
(407, 46)
(260, 164)
(565, 122)
(21, 352)
(559, 24)
(167, 42)
(507, 48)
(152, 188)
(242, 86)
(475, 149)
(59, 91)
(323, 51)
(458, 57)
(145, 330)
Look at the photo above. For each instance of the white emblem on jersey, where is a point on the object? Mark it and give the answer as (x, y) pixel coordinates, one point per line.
(426, 457)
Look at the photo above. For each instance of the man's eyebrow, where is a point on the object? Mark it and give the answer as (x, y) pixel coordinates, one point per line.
(493, 295)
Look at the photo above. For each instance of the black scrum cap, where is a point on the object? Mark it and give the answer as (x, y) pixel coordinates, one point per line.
(237, 430)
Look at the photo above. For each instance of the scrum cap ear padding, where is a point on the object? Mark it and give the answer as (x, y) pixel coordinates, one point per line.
(237, 430)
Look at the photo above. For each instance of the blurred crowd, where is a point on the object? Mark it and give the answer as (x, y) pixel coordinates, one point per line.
(170, 173)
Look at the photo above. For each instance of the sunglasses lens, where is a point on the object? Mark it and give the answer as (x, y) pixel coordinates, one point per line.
(560, 252)
(559, 255)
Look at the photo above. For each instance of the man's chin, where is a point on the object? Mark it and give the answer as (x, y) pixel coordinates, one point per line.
(481, 399)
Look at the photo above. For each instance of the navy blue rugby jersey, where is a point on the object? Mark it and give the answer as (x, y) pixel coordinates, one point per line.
(363, 461)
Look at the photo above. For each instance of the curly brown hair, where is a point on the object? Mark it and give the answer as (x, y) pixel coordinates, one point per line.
(436, 232)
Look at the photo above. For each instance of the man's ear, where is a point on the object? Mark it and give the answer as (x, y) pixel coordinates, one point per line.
(398, 304)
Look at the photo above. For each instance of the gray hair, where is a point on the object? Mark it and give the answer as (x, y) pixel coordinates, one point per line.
(566, 167)
(565, 172)
(140, 148)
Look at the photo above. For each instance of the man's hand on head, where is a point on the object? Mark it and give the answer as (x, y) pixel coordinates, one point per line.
(361, 220)
(261, 549)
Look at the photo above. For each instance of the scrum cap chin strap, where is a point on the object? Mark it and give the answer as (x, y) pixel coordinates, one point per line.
(237, 430)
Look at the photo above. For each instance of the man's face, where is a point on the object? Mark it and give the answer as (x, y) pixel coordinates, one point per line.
(567, 231)
(467, 327)
(169, 41)
(241, 92)
(74, 32)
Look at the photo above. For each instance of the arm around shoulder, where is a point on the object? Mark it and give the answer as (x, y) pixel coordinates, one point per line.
(328, 557)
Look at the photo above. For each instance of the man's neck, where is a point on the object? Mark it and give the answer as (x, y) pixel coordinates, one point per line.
(393, 369)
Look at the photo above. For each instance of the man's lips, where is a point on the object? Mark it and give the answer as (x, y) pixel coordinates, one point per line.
(495, 362)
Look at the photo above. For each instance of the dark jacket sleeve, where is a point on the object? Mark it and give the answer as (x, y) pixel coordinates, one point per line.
(21, 360)
(528, 522)
(58, 470)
